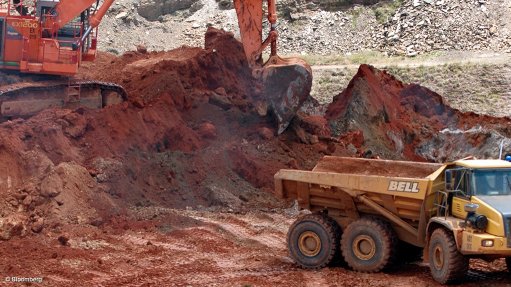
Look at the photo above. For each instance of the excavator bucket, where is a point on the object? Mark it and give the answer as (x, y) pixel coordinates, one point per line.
(287, 81)
(287, 84)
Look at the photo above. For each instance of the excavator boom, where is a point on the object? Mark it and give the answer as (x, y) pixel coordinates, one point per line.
(287, 81)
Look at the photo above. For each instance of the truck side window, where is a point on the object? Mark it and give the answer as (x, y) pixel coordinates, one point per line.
(460, 182)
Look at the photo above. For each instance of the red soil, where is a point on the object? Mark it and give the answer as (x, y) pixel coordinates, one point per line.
(114, 184)
(408, 121)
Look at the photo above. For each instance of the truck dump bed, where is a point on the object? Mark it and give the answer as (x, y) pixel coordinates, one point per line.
(375, 167)
(349, 187)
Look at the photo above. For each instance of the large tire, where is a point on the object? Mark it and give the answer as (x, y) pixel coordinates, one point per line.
(368, 244)
(313, 241)
(337, 259)
(447, 264)
(508, 264)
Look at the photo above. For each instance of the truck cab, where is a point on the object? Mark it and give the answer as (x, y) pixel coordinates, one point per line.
(479, 203)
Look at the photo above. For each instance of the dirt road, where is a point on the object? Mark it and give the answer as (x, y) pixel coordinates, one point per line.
(169, 247)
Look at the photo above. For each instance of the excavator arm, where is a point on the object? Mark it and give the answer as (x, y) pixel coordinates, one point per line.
(250, 22)
(287, 81)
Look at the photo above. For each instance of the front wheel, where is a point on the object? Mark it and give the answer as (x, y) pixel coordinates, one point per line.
(447, 264)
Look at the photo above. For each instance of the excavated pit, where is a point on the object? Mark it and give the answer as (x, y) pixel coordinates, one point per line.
(178, 180)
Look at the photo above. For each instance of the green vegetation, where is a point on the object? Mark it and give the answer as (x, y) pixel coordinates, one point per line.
(364, 57)
(334, 5)
(386, 10)
(113, 51)
(469, 86)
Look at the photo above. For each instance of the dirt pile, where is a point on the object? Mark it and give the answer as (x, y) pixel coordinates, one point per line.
(390, 119)
(188, 136)
(184, 126)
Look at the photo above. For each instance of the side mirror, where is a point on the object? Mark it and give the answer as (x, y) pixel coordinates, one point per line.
(448, 180)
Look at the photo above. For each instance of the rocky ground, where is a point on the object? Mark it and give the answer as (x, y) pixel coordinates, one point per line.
(403, 27)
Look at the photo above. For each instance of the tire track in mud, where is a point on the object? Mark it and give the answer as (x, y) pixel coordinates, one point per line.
(259, 249)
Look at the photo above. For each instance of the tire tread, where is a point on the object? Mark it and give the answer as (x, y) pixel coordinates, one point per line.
(333, 231)
(459, 263)
(389, 240)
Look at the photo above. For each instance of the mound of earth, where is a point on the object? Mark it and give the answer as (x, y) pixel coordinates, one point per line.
(187, 136)
(390, 119)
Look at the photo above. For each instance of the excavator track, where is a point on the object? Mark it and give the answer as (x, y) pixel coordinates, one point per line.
(28, 98)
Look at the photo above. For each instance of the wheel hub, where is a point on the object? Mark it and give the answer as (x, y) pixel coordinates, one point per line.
(309, 243)
(364, 247)
(438, 257)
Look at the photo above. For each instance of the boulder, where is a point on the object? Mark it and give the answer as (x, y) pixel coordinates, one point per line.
(153, 9)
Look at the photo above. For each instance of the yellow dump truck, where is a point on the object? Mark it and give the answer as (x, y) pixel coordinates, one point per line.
(362, 209)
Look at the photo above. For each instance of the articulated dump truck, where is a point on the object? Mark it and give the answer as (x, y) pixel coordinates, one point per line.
(363, 209)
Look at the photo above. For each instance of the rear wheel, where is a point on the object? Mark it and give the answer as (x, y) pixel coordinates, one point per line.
(313, 241)
(447, 264)
(368, 244)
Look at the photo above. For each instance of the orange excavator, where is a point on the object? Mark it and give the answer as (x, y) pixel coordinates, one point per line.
(53, 37)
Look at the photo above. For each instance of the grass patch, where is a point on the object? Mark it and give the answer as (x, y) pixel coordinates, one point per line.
(386, 10)
(362, 57)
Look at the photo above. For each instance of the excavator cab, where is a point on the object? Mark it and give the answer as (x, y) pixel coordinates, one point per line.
(287, 81)
(49, 36)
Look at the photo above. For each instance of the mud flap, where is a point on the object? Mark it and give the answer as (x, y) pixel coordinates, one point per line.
(287, 84)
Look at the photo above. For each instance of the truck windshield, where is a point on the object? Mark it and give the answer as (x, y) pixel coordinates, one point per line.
(491, 182)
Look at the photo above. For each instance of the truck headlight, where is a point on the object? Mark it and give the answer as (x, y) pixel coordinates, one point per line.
(477, 221)
(487, 243)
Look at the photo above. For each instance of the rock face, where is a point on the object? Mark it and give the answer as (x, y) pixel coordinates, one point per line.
(408, 121)
(153, 9)
(422, 26)
(408, 27)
